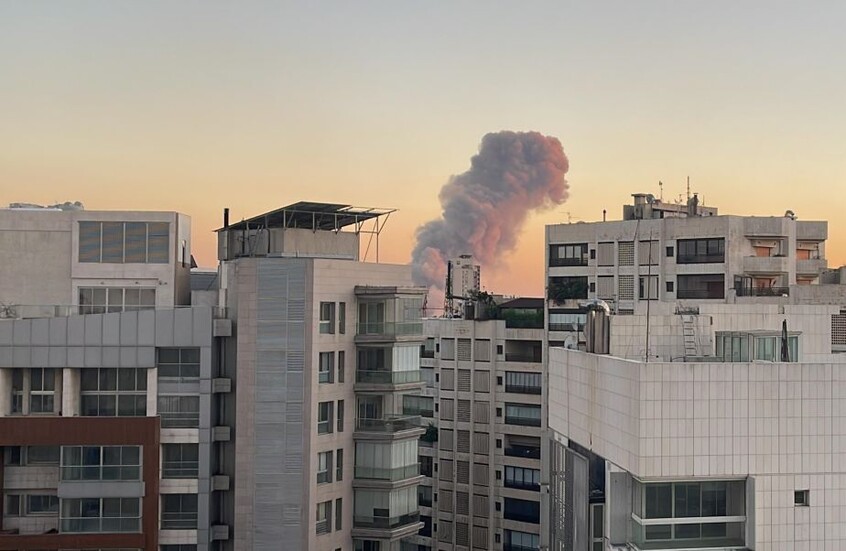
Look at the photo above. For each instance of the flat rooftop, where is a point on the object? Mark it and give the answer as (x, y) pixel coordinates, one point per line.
(312, 216)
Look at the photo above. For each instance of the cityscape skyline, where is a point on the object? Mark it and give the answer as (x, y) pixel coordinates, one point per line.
(143, 106)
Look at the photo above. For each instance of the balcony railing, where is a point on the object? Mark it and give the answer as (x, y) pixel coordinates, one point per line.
(182, 520)
(101, 472)
(94, 525)
(700, 294)
(180, 419)
(388, 424)
(516, 547)
(573, 327)
(528, 452)
(522, 389)
(762, 291)
(180, 469)
(390, 328)
(522, 485)
(522, 516)
(388, 523)
(376, 473)
(385, 377)
(523, 421)
(700, 258)
(523, 357)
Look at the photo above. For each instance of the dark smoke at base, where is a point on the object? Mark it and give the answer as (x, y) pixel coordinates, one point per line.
(485, 208)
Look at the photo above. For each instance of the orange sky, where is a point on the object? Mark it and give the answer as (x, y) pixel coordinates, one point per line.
(171, 106)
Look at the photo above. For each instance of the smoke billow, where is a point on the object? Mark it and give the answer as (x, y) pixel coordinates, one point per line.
(485, 208)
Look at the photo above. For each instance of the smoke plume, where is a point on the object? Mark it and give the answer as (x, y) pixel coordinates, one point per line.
(485, 208)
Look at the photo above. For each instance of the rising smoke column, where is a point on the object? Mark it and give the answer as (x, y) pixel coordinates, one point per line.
(485, 208)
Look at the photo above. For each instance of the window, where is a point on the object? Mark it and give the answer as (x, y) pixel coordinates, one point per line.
(100, 300)
(342, 317)
(180, 460)
(523, 541)
(801, 498)
(339, 464)
(325, 370)
(522, 478)
(324, 517)
(701, 286)
(701, 251)
(669, 286)
(418, 405)
(42, 504)
(447, 349)
(42, 455)
(13, 505)
(324, 467)
(522, 510)
(327, 318)
(625, 287)
(568, 255)
(179, 512)
(669, 252)
(523, 414)
(89, 515)
(523, 383)
(340, 416)
(371, 318)
(648, 287)
(567, 288)
(124, 242)
(324, 417)
(42, 390)
(339, 513)
(648, 253)
(179, 412)
(101, 463)
(625, 253)
(17, 390)
(178, 364)
(109, 392)
(342, 360)
(13, 455)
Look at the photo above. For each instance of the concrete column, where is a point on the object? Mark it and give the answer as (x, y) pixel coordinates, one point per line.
(152, 392)
(71, 402)
(5, 392)
(58, 391)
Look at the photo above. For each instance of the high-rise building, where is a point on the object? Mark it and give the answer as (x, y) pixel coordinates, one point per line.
(466, 276)
(146, 407)
(481, 453)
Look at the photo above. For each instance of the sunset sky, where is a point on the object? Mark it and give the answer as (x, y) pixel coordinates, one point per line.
(194, 106)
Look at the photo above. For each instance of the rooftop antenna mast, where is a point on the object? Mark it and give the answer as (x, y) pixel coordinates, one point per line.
(688, 189)
(661, 191)
(448, 300)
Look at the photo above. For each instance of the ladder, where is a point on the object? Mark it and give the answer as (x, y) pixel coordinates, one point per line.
(689, 335)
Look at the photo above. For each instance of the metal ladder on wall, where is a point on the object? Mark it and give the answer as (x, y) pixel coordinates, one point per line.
(689, 335)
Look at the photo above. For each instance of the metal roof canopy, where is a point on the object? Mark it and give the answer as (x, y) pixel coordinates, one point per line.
(319, 216)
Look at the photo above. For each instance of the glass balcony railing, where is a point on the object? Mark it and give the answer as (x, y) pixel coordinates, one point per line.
(390, 328)
(180, 419)
(529, 452)
(182, 520)
(376, 473)
(180, 469)
(388, 424)
(90, 525)
(384, 377)
(389, 523)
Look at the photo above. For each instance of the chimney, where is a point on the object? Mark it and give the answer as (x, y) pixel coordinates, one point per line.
(226, 218)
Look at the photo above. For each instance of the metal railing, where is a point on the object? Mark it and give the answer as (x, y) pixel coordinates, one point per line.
(100, 472)
(523, 451)
(700, 258)
(362, 521)
(33, 311)
(522, 485)
(180, 469)
(385, 377)
(523, 421)
(522, 389)
(575, 327)
(762, 291)
(523, 357)
(398, 473)
(179, 520)
(390, 328)
(700, 294)
(180, 419)
(94, 525)
(388, 424)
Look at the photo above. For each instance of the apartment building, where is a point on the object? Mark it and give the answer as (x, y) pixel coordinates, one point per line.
(668, 252)
(739, 448)
(325, 349)
(481, 453)
(106, 385)
(146, 407)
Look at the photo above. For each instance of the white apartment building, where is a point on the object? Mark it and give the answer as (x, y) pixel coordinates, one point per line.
(466, 276)
(481, 453)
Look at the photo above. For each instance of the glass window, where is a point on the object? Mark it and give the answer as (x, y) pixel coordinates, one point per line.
(158, 242)
(179, 512)
(101, 463)
(42, 455)
(102, 396)
(659, 500)
(523, 383)
(342, 360)
(324, 467)
(324, 417)
(124, 242)
(327, 317)
(182, 364)
(325, 369)
(523, 414)
(42, 390)
(100, 515)
(324, 517)
(342, 317)
(522, 478)
(339, 464)
(42, 504)
(179, 411)
(180, 460)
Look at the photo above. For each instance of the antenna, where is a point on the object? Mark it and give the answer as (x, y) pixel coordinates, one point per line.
(448, 301)
(661, 192)
(688, 188)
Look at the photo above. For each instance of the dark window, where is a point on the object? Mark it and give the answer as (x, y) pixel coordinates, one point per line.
(593, 254)
(124, 242)
(592, 287)
(574, 254)
(522, 510)
(669, 251)
(528, 415)
(523, 383)
(701, 251)
(522, 478)
(701, 286)
(563, 288)
(669, 286)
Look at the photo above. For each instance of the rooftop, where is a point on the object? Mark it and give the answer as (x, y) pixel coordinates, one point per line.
(312, 216)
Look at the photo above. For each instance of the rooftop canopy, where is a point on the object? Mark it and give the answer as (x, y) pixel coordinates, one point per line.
(312, 216)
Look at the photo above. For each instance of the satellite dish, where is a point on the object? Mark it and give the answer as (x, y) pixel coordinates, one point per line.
(571, 343)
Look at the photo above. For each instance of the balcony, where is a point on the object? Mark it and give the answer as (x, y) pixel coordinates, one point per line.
(384, 377)
(390, 425)
(522, 389)
(180, 419)
(811, 266)
(179, 520)
(765, 226)
(386, 523)
(762, 291)
(811, 230)
(766, 264)
(528, 357)
(516, 547)
(180, 469)
(91, 525)
(393, 475)
(522, 421)
(519, 485)
(388, 331)
(526, 452)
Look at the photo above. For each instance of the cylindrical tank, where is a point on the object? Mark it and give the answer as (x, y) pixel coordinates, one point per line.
(598, 327)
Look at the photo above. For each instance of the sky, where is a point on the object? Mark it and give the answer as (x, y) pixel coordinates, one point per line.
(196, 106)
